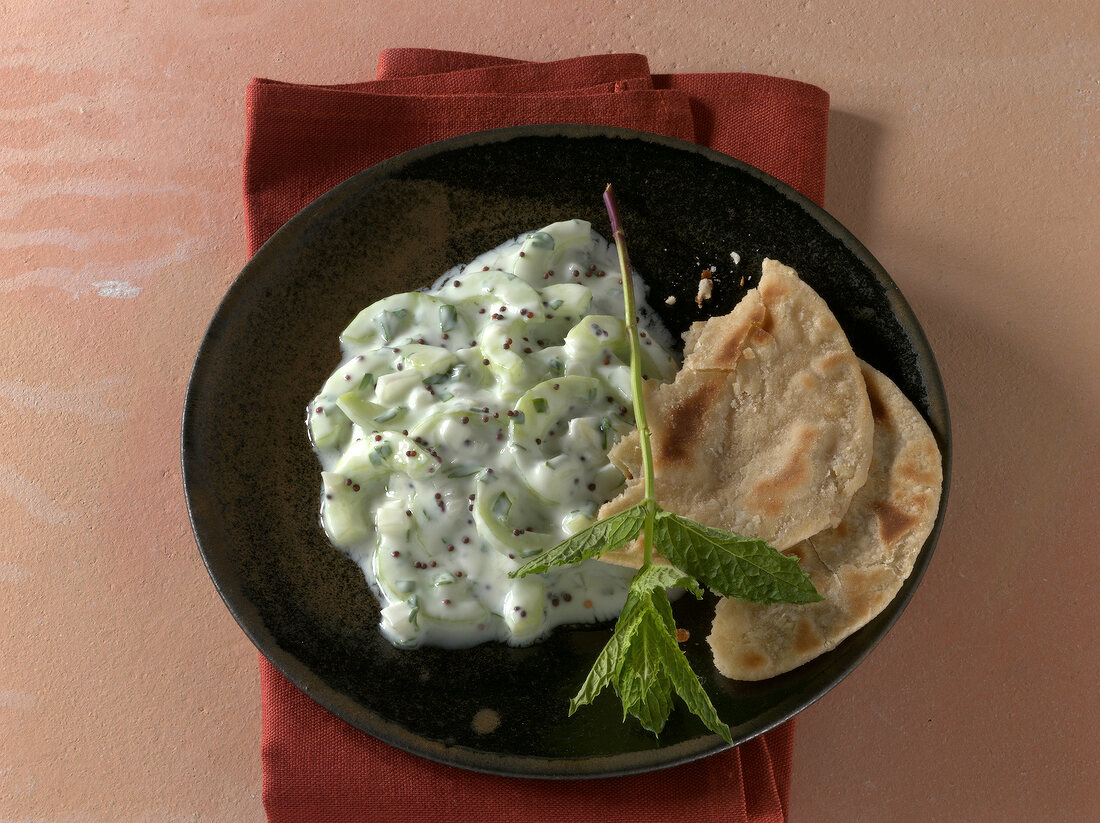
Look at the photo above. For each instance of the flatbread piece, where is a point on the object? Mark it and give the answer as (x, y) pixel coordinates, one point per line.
(766, 430)
(858, 566)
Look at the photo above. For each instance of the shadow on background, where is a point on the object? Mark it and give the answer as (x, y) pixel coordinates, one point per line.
(854, 144)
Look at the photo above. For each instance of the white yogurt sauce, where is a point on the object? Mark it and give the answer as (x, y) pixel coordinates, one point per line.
(467, 430)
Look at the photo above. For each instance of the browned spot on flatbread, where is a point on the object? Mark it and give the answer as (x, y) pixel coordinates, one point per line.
(806, 638)
(684, 422)
(920, 465)
(833, 361)
(771, 496)
(892, 522)
(866, 590)
(771, 289)
(767, 322)
(730, 350)
(878, 408)
(751, 660)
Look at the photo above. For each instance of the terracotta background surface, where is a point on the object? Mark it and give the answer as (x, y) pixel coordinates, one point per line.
(963, 153)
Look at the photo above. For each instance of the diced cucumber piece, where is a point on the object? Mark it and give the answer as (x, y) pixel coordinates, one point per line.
(534, 256)
(392, 522)
(427, 360)
(525, 607)
(344, 510)
(330, 427)
(394, 389)
(567, 299)
(361, 412)
(397, 623)
(598, 337)
(575, 521)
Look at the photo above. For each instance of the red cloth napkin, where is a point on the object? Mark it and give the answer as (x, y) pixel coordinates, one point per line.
(301, 141)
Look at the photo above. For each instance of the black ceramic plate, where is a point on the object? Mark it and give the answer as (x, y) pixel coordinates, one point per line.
(252, 481)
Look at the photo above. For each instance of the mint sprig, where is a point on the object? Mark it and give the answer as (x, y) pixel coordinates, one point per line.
(643, 661)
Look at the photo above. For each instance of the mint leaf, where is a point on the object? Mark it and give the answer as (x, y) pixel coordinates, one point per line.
(643, 685)
(678, 671)
(644, 663)
(607, 666)
(730, 564)
(655, 577)
(601, 536)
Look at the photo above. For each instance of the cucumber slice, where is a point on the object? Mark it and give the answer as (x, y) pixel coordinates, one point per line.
(617, 378)
(657, 364)
(399, 317)
(499, 512)
(551, 481)
(463, 438)
(563, 305)
(381, 454)
(551, 404)
(451, 604)
(551, 361)
(501, 343)
(353, 374)
(396, 575)
(479, 296)
(568, 234)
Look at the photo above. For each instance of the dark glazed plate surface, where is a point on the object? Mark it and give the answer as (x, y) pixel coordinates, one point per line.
(253, 485)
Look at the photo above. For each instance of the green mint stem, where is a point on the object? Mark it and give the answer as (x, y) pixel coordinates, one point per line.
(649, 500)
